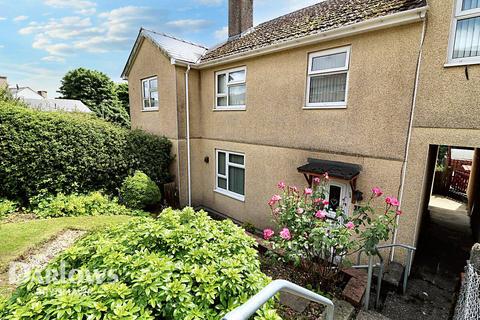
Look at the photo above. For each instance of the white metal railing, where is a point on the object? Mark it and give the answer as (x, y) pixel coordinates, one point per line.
(246, 310)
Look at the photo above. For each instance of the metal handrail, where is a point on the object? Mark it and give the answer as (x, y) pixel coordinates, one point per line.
(371, 265)
(246, 310)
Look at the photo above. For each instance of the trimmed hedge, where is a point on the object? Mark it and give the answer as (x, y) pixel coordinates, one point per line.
(71, 152)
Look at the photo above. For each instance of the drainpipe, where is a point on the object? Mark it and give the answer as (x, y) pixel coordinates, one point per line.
(409, 135)
(187, 108)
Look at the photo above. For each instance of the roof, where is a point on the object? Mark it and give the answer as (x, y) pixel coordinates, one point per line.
(173, 47)
(321, 17)
(67, 105)
(336, 169)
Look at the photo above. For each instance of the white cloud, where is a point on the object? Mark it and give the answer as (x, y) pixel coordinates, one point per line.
(3, 18)
(78, 6)
(53, 59)
(20, 18)
(188, 25)
(210, 2)
(2, 46)
(221, 34)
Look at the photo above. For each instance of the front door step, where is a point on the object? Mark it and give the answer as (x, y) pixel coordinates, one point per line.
(393, 274)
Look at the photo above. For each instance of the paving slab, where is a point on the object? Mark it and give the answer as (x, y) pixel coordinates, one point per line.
(343, 310)
(296, 303)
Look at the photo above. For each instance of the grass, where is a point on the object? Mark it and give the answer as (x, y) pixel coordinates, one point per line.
(17, 238)
(20, 237)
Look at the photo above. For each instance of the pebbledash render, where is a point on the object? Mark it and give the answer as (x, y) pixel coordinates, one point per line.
(358, 88)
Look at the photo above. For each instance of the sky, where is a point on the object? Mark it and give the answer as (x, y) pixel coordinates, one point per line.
(40, 40)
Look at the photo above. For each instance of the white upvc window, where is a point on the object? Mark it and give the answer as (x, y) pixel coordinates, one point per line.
(230, 89)
(327, 79)
(464, 44)
(150, 94)
(230, 174)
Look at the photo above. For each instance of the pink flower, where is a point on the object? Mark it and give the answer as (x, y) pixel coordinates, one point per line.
(285, 234)
(377, 192)
(350, 225)
(300, 210)
(317, 200)
(321, 214)
(276, 211)
(316, 180)
(326, 175)
(325, 202)
(281, 185)
(392, 201)
(275, 198)
(308, 191)
(398, 212)
(267, 234)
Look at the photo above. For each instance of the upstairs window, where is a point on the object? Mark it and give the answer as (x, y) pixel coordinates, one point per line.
(327, 82)
(464, 45)
(230, 89)
(150, 93)
(230, 174)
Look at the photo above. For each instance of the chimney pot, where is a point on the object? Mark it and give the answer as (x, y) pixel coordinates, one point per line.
(240, 17)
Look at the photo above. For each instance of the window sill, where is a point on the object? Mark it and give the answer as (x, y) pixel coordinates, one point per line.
(344, 106)
(460, 63)
(230, 194)
(150, 110)
(236, 108)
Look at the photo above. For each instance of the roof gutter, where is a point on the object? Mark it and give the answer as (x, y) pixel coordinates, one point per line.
(393, 20)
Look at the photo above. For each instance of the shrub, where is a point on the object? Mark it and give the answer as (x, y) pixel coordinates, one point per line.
(308, 234)
(139, 191)
(92, 204)
(7, 207)
(72, 152)
(182, 266)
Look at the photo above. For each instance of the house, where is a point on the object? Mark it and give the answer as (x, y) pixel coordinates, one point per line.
(363, 89)
(39, 99)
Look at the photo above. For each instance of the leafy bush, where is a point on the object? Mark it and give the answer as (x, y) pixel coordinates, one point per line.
(7, 207)
(183, 266)
(92, 204)
(312, 234)
(139, 191)
(71, 152)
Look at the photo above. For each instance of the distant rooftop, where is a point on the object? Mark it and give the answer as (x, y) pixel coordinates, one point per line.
(67, 105)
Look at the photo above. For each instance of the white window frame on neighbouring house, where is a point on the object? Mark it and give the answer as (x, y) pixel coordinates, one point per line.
(227, 192)
(229, 84)
(325, 72)
(147, 100)
(459, 15)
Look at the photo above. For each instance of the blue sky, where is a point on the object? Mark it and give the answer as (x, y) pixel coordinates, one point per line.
(40, 40)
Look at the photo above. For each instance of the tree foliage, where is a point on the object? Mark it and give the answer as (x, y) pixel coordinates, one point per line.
(96, 90)
(122, 94)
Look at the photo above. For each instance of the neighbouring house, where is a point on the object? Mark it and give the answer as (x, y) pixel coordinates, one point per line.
(39, 99)
(365, 90)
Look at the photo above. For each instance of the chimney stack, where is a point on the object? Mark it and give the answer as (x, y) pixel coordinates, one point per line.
(43, 93)
(3, 82)
(240, 17)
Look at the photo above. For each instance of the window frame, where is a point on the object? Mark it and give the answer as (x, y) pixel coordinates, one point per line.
(228, 164)
(233, 83)
(331, 71)
(147, 80)
(459, 14)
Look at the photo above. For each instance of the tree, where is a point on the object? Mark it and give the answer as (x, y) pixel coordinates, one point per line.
(122, 94)
(96, 90)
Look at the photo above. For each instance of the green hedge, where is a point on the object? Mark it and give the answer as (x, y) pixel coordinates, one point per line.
(71, 152)
(183, 266)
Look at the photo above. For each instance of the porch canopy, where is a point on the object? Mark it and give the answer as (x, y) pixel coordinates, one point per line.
(335, 169)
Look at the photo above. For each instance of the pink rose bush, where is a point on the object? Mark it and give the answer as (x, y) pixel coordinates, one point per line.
(311, 234)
